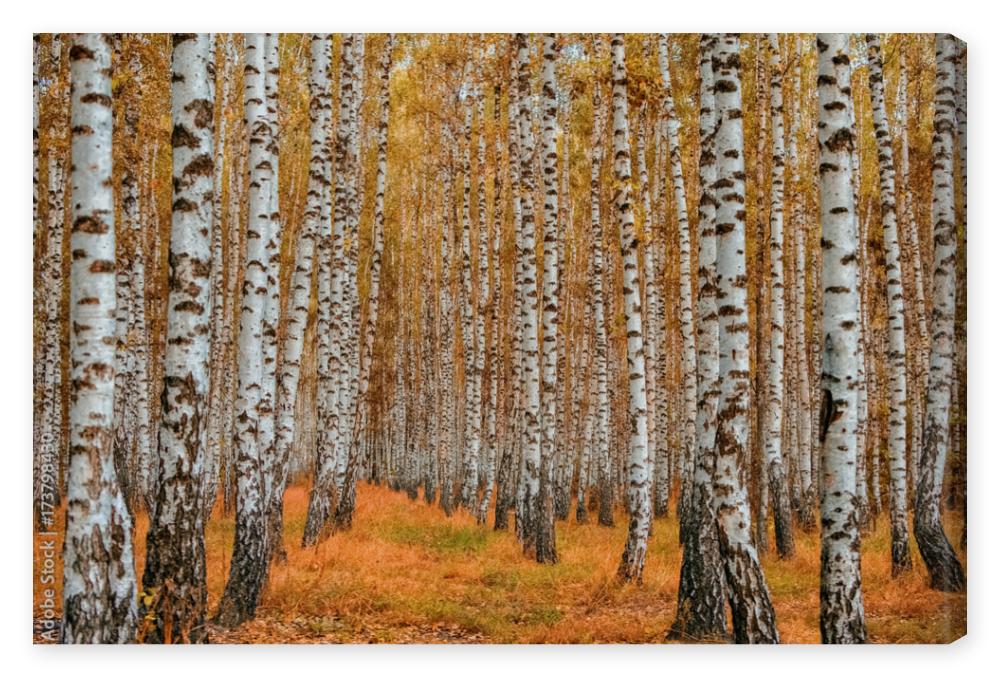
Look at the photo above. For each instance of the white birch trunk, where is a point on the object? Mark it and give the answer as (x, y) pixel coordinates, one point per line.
(897, 323)
(749, 598)
(777, 479)
(99, 584)
(532, 457)
(175, 544)
(249, 561)
(638, 496)
(701, 609)
(939, 557)
(545, 550)
(689, 378)
(842, 616)
(315, 224)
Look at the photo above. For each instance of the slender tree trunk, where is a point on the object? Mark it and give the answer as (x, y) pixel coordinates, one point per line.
(545, 546)
(472, 410)
(314, 224)
(600, 397)
(492, 442)
(842, 615)
(638, 496)
(216, 397)
(939, 557)
(248, 567)
(776, 476)
(332, 324)
(508, 481)
(99, 585)
(688, 363)
(701, 608)
(911, 249)
(272, 302)
(799, 362)
(897, 323)
(345, 506)
(529, 491)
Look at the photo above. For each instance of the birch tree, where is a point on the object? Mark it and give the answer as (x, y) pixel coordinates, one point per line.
(939, 557)
(777, 482)
(532, 457)
(175, 545)
(689, 378)
(320, 115)
(99, 584)
(345, 507)
(897, 322)
(248, 566)
(749, 598)
(701, 595)
(638, 497)
(545, 550)
(842, 616)
(600, 397)
(332, 319)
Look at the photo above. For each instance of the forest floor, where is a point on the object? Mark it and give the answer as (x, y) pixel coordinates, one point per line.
(407, 573)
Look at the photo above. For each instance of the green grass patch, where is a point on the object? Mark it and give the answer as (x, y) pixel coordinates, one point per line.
(439, 539)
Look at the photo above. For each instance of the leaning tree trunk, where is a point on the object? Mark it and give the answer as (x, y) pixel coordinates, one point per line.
(777, 480)
(99, 587)
(701, 601)
(175, 545)
(749, 599)
(248, 566)
(897, 324)
(638, 490)
(298, 306)
(945, 570)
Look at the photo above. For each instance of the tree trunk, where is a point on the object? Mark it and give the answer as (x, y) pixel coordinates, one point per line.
(315, 224)
(842, 616)
(701, 608)
(638, 499)
(784, 539)
(531, 472)
(688, 371)
(749, 599)
(99, 585)
(939, 557)
(248, 566)
(545, 546)
(897, 323)
(175, 544)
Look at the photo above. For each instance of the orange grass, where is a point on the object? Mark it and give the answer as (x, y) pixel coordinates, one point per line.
(408, 573)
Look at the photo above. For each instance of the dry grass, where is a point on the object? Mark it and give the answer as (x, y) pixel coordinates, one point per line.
(407, 573)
